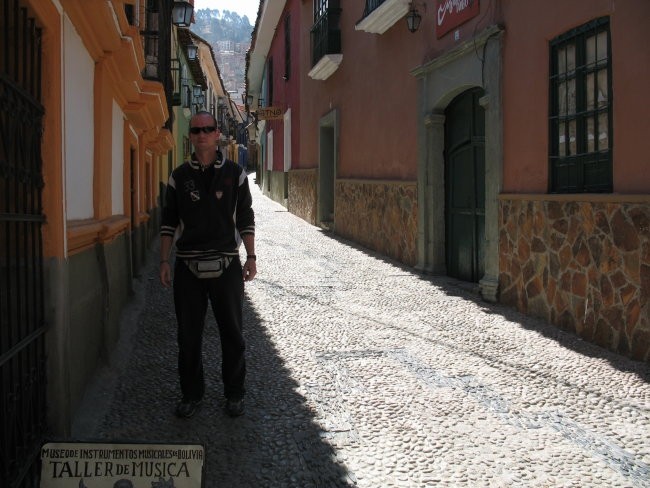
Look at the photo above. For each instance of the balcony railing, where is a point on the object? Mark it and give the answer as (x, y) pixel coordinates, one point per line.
(156, 37)
(176, 81)
(326, 35)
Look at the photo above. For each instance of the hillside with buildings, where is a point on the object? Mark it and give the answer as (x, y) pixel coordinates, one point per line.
(230, 37)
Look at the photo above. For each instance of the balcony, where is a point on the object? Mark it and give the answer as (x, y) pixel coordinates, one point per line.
(176, 81)
(156, 39)
(380, 15)
(326, 44)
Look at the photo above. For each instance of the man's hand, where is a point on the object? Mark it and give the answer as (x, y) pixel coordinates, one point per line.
(165, 274)
(249, 269)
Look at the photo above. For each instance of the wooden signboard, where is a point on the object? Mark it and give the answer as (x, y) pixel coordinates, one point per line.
(270, 113)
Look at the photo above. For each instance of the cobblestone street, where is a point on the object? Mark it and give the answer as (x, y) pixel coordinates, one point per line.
(363, 373)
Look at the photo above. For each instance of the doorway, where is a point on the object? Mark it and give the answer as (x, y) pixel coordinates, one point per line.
(327, 162)
(465, 186)
(23, 358)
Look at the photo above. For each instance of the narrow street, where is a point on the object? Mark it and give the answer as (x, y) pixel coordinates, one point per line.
(363, 373)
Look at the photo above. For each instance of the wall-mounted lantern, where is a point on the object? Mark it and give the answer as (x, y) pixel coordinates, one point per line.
(182, 14)
(197, 90)
(413, 18)
(192, 51)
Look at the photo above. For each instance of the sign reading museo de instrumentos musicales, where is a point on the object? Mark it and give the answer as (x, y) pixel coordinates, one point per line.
(94, 465)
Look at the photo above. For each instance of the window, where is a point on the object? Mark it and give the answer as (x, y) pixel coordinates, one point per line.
(270, 77)
(320, 9)
(326, 31)
(580, 123)
(287, 47)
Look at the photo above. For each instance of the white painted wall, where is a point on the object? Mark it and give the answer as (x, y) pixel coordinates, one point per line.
(78, 76)
(117, 173)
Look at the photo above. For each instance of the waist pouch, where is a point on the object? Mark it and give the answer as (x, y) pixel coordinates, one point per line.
(212, 268)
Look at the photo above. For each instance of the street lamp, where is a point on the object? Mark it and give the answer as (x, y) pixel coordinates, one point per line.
(197, 90)
(182, 14)
(192, 51)
(413, 19)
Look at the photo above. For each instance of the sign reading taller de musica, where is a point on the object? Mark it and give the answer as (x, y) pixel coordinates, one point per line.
(95, 465)
(452, 13)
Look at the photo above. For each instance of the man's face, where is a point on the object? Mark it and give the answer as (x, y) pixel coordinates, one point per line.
(207, 134)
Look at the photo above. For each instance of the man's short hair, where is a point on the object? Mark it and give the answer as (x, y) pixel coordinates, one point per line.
(205, 112)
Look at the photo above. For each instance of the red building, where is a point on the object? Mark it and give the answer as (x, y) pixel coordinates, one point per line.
(501, 143)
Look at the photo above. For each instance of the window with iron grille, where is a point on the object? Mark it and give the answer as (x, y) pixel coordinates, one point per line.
(320, 8)
(176, 81)
(371, 6)
(580, 122)
(326, 31)
(287, 47)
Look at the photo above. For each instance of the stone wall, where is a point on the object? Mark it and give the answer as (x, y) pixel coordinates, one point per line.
(582, 265)
(303, 195)
(380, 215)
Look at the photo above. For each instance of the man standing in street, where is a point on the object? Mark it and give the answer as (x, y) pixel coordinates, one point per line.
(209, 201)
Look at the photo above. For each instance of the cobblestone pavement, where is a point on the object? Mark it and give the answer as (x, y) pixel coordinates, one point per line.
(364, 373)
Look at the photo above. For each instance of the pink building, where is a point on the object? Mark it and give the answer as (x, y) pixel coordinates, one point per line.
(501, 143)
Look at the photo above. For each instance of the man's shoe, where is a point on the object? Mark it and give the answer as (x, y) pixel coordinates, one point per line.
(235, 408)
(187, 408)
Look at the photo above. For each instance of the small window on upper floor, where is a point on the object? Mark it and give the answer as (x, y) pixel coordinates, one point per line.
(269, 67)
(326, 31)
(287, 46)
(580, 119)
(129, 11)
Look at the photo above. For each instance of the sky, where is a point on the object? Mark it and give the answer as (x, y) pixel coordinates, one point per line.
(242, 7)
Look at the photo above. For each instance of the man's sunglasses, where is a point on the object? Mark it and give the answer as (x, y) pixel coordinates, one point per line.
(207, 129)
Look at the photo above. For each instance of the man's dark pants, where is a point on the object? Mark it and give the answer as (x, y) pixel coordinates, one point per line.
(226, 295)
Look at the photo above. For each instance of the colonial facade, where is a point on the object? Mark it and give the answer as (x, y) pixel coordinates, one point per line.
(85, 141)
(492, 141)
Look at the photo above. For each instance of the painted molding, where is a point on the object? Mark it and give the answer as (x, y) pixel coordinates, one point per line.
(577, 197)
(326, 67)
(383, 17)
(362, 181)
(458, 52)
(83, 234)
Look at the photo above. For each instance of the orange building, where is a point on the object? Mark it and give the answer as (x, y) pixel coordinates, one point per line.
(84, 143)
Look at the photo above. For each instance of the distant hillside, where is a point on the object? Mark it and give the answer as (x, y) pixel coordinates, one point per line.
(230, 37)
(222, 25)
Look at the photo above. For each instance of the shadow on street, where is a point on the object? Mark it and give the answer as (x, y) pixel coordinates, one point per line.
(275, 444)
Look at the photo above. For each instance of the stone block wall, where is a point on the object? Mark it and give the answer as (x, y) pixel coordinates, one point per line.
(582, 265)
(303, 195)
(380, 215)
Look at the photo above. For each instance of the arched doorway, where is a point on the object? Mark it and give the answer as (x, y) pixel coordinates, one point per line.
(465, 186)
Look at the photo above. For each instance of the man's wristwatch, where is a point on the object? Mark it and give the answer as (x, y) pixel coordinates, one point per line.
(251, 256)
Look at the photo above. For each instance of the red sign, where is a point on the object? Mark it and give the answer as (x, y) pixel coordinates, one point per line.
(452, 13)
